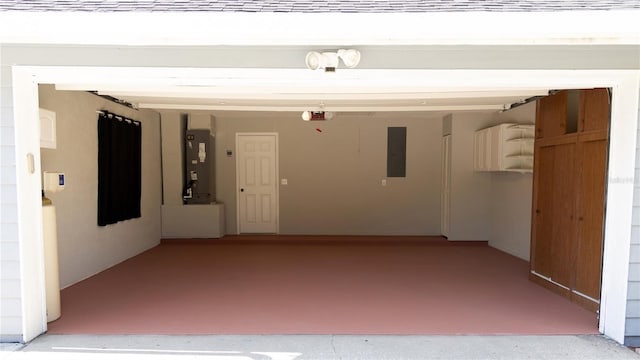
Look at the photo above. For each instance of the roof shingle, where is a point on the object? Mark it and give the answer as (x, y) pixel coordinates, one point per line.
(316, 6)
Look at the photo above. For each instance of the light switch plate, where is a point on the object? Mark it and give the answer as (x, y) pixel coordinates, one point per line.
(284, 181)
(384, 182)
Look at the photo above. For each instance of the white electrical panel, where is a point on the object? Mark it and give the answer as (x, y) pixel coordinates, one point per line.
(53, 181)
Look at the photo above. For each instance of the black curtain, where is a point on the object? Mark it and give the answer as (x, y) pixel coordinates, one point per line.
(119, 168)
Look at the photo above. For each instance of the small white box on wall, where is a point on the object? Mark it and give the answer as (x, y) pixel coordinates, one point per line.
(53, 181)
(47, 129)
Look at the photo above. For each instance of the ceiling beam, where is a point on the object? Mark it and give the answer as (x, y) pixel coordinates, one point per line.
(249, 94)
(381, 108)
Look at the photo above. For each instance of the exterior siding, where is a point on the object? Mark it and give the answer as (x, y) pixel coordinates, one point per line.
(10, 291)
(632, 328)
(298, 6)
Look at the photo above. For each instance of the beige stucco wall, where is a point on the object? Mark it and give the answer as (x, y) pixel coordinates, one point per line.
(511, 197)
(84, 247)
(334, 175)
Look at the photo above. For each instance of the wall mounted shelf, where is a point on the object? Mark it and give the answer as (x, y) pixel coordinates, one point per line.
(504, 147)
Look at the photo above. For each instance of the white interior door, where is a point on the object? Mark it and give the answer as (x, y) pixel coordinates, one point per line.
(445, 199)
(257, 182)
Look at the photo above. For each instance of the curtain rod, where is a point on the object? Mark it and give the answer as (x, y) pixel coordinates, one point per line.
(119, 117)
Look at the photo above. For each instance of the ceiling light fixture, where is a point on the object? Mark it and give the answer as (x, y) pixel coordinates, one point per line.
(329, 60)
(317, 115)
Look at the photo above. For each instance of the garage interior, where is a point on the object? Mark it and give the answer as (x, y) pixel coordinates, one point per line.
(347, 233)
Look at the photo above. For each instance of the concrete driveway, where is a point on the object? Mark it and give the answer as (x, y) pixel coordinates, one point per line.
(324, 347)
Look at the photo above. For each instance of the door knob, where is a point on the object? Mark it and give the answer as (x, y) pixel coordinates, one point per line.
(241, 190)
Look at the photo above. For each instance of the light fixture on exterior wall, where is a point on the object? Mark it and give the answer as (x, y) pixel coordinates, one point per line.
(329, 60)
(350, 57)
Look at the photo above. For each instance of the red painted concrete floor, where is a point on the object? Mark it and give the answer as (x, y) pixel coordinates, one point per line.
(243, 285)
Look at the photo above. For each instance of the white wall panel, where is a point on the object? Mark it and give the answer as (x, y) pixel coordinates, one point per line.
(470, 190)
(511, 197)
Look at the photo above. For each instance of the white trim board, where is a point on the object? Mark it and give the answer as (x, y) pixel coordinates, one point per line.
(625, 85)
(27, 149)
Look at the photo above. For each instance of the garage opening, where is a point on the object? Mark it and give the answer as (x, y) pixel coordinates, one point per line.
(383, 274)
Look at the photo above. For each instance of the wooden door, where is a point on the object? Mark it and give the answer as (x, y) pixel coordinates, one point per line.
(590, 220)
(569, 196)
(595, 110)
(563, 227)
(554, 235)
(541, 238)
(551, 115)
(592, 160)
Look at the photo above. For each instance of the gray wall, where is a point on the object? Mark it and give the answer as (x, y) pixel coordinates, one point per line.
(493, 206)
(334, 176)
(172, 148)
(470, 190)
(511, 197)
(633, 291)
(84, 248)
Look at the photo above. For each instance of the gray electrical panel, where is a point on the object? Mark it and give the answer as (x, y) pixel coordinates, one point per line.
(199, 179)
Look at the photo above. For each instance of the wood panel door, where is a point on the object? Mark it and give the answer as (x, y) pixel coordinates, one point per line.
(551, 115)
(593, 155)
(569, 195)
(563, 230)
(595, 110)
(554, 217)
(543, 206)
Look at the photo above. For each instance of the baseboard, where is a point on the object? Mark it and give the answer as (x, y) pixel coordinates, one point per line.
(327, 239)
(550, 286)
(562, 290)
